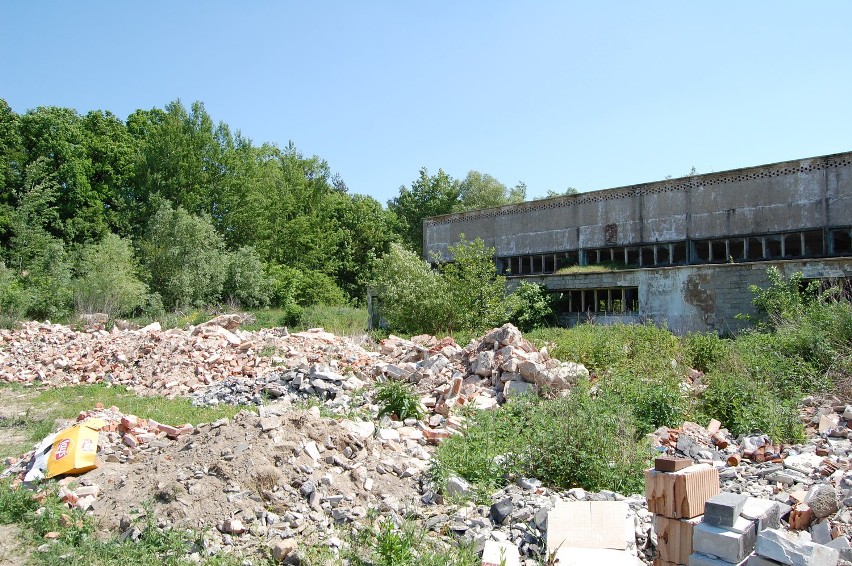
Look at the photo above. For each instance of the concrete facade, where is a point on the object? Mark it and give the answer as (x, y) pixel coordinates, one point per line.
(687, 249)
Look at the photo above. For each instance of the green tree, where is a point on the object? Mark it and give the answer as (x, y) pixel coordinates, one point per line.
(412, 296)
(476, 292)
(246, 282)
(184, 258)
(428, 196)
(107, 280)
(481, 190)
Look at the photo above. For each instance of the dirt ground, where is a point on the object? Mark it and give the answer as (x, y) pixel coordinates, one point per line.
(12, 552)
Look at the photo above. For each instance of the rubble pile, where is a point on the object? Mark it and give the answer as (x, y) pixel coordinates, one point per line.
(164, 362)
(287, 477)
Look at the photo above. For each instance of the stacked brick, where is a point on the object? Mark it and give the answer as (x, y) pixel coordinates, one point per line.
(676, 491)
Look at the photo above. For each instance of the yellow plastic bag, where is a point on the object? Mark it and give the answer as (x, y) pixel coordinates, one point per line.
(75, 449)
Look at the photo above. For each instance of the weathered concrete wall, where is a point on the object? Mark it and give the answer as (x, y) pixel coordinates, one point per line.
(694, 298)
(814, 193)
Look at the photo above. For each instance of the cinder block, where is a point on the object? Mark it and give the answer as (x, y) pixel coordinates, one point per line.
(674, 538)
(724, 543)
(723, 509)
(765, 513)
(681, 494)
(757, 560)
(698, 559)
(789, 548)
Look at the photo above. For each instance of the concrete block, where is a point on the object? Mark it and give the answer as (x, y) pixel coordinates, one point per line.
(674, 538)
(788, 548)
(765, 513)
(698, 559)
(841, 544)
(500, 554)
(587, 524)
(723, 509)
(723, 543)
(757, 560)
(681, 494)
(600, 556)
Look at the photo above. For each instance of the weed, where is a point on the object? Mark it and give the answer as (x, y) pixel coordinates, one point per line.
(397, 398)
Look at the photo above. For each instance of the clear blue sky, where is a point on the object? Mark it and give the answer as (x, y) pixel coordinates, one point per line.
(557, 94)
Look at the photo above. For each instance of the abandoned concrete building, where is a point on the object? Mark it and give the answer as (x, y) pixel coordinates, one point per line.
(681, 252)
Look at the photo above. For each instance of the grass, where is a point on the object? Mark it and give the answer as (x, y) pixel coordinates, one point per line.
(383, 543)
(343, 321)
(596, 268)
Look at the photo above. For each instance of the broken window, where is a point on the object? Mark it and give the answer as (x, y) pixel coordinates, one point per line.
(813, 243)
(841, 242)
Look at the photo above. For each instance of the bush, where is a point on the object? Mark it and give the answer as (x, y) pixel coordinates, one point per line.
(530, 307)
(13, 297)
(303, 287)
(397, 398)
(106, 279)
(246, 282)
(463, 295)
(704, 349)
(184, 258)
(747, 405)
(578, 440)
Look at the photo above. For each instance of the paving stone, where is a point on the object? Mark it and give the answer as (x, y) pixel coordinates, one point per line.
(698, 559)
(765, 513)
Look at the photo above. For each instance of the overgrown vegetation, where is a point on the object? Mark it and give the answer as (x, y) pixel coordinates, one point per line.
(384, 543)
(395, 398)
(578, 440)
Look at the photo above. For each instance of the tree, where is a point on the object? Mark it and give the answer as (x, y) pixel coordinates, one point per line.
(107, 280)
(428, 196)
(184, 257)
(566, 193)
(463, 295)
(476, 292)
(481, 190)
(412, 296)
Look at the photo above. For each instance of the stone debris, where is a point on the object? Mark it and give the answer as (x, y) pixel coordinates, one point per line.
(273, 482)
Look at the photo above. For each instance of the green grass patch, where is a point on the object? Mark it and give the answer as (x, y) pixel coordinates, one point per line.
(597, 268)
(67, 402)
(341, 320)
(581, 440)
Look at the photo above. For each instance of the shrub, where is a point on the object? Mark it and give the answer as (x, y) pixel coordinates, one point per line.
(747, 405)
(530, 307)
(578, 440)
(106, 279)
(704, 349)
(13, 297)
(184, 258)
(246, 281)
(397, 398)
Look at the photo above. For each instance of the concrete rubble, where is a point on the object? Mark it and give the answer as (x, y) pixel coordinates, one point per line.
(290, 475)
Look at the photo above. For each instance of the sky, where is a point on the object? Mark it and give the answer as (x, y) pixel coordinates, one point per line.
(589, 95)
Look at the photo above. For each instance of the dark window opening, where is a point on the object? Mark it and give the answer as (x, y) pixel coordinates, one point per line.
(663, 255)
(702, 250)
(633, 257)
(679, 253)
(842, 242)
(773, 247)
(607, 300)
(755, 249)
(718, 251)
(793, 245)
(549, 263)
(813, 243)
(646, 256)
(736, 249)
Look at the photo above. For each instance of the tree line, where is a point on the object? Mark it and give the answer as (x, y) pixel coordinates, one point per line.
(168, 209)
